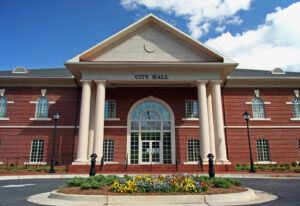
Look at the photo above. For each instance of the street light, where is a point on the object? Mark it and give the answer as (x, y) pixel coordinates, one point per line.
(247, 117)
(56, 117)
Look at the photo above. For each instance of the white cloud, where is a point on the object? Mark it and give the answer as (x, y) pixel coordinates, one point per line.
(276, 43)
(220, 29)
(200, 13)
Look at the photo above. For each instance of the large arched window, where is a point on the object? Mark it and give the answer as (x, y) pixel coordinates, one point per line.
(37, 150)
(42, 107)
(3, 106)
(150, 134)
(296, 107)
(263, 150)
(258, 108)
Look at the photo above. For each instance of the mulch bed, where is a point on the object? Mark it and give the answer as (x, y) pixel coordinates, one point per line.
(106, 191)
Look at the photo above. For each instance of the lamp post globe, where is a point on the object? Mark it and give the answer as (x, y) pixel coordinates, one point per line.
(56, 117)
(246, 116)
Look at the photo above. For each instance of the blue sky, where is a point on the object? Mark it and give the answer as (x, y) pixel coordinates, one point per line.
(259, 34)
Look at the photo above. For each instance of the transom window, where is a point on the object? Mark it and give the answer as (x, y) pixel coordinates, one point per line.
(37, 150)
(191, 108)
(258, 108)
(108, 150)
(3, 106)
(42, 108)
(296, 107)
(263, 151)
(110, 109)
(193, 150)
(150, 141)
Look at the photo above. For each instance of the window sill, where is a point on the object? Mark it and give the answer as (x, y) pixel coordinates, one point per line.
(191, 163)
(252, 103)
(1, 163)
(35, 163)
(265, 163)
(4, 118)
(111, 163)
(112, 119)
(40, 119)
(190, 119)
(260, 119)
(295, 119)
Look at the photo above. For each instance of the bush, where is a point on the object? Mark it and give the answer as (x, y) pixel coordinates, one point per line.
(46, 169)
(29, 169)
(220, 182)
(75, 182)
(38, 169)
(85, 186)
(238, 165)
(64, 169)
(294, 164)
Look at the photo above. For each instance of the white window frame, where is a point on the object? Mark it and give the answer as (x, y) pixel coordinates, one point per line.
(107, 111)
(194, 116)
(195, 158)
(108, 150)
(5, 118)
(263, 141)
(40, 119)
(37, 149)
(258, 119)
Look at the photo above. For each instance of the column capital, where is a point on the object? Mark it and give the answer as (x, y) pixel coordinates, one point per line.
(199, 82)
(100, 82)
(86, 81)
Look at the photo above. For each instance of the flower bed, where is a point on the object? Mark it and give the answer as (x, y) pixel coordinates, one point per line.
(151, 184)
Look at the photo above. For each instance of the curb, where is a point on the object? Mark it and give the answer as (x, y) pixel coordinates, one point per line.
(271, 176)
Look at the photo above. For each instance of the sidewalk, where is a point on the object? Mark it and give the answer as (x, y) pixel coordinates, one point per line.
(276, 175)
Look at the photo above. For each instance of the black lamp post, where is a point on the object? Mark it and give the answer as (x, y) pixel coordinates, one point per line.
(56, 117)
(247, 117)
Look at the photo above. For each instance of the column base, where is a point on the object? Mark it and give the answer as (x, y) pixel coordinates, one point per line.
(80, 162)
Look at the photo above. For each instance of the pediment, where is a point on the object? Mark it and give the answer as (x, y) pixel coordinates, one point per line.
(150, 43)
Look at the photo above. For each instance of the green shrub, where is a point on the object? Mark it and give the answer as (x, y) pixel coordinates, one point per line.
(75, 182)
(235, 182)
(294, 164)
(220, 182)
(29, 169)
(238, 165)
(238, 168)
(64, 169)
(296, 169)
(85, 186)
(281, 165)
(46, 169)
(100, 178)
(246, 167)
(38, 169)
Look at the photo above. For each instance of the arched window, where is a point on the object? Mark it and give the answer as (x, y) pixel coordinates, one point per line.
(108, 150)
(3, 106)
(258, 108)
(150, 128)
(263, 150)
(193, 150)
(42, 107)
(296, 107)
(37, 150)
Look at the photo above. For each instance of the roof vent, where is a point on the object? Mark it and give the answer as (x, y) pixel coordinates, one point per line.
(20, 70)
(278, 71)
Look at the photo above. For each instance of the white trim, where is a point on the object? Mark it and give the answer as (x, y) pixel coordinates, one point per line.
(263, 127)
(37, 127)
(52, 102)
(1, 163)
(172, 119)
(115, 127)
(190, 119)
(191, 163)
(187, 127)
(10, 102)
(35, 102)
(4, 118)
(35, 163)
(40, 119)
(111, 163)
(265, 163)
(112, 119)
(260, 119)
(258, 97)
(289, 103)
(295, 119)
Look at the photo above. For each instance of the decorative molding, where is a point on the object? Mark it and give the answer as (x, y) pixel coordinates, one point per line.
(190, 119)
(260, 119)
(40, 119)
(289, 103)
(295, 119)
(10, 102)
(4, 118)
(43, 92)
(2, 92)
(296, 92)
(35, 102)
(256, 92)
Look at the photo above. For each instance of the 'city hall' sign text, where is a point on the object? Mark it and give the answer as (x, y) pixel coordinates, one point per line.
(152, 76)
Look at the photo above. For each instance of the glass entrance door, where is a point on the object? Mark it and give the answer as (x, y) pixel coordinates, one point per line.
(151, 152)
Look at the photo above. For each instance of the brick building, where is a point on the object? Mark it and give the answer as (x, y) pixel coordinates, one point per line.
(149, 98)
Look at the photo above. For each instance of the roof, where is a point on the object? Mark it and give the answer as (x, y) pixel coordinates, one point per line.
(39, 73)
(253, 73)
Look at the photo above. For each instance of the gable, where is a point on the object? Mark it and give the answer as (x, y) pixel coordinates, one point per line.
(151, 43)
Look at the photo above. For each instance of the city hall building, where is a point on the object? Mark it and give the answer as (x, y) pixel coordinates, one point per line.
(149, 99)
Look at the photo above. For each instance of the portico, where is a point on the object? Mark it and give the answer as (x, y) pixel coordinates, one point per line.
(183, 63)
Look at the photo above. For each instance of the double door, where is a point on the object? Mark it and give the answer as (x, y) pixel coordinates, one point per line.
(151, 152)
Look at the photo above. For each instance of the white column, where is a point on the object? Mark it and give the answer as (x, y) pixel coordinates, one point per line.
(99, 118)
(219, 123)
(82, 148)
(203, 120)
(92, 126)
(211, 124)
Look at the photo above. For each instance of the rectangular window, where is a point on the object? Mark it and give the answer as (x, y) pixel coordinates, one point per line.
(108, 150)
(191, 108)
(299, 145)
(193, 150)
(263, 151)
(110, 109)
(37, 150)
(167, 148)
